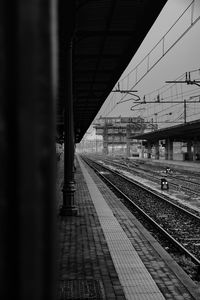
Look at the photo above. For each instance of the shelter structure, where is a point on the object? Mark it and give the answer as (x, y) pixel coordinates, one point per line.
(59, 61)
(188, 134)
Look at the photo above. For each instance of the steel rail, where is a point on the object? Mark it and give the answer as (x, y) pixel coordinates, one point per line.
(171, 177)
(163, 231)
(148, 190)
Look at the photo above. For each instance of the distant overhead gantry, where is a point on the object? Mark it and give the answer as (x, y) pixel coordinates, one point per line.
(187, 80)
(128, 92)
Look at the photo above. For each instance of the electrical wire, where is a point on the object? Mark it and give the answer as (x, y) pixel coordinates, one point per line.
(162, 39)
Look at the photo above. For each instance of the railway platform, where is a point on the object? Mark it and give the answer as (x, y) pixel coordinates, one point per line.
(105, 253)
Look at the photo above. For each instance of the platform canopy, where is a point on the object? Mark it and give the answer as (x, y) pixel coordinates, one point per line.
(107, 35)
(183, 132)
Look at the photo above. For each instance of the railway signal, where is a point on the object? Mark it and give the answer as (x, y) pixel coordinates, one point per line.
(164, 184)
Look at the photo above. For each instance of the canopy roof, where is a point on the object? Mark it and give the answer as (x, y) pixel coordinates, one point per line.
(181, 132)
(107, 35)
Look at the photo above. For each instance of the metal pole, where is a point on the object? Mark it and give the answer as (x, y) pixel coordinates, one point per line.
(184, 111)
(68, 208)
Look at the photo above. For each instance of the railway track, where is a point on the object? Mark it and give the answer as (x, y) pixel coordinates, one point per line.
(190, 187)
(170, 222)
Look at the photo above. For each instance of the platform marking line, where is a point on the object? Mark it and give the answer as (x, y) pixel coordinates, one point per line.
(133, 275)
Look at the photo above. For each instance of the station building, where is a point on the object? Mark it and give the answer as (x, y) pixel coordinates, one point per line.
(118, 134)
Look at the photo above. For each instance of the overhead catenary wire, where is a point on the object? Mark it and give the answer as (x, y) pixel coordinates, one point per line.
(127, 77)
(163, 37)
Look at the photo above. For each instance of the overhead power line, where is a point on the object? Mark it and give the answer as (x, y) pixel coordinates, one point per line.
(164, 50)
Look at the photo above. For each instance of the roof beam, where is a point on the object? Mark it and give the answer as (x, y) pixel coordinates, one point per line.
(89, 81)
(87, 71)
(95, 56)
(112, 33)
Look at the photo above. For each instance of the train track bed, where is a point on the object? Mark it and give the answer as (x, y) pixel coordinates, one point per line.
(178, 191)
(177, 230)
(186, 181)
(184, 178)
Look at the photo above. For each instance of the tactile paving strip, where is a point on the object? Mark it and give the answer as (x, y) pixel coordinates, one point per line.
(133, 275)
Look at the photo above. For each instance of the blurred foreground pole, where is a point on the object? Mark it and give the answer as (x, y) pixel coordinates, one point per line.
(27, 155)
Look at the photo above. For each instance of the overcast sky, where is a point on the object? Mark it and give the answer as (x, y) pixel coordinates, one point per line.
(183, 57)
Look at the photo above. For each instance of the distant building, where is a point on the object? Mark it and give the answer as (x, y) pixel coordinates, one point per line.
(118, 134)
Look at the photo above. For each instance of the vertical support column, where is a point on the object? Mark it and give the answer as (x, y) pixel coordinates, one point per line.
(157, 152)
(105, 141)
(166, 149)
(113, 143)
(96, 145)
(68, 208)
(169, 149)
(189, 150)
(142, 150)
(105, 147)
(148, 150)
(27, 143)
(185, 112)
(66, 31)
(128, 153)
(196, 153)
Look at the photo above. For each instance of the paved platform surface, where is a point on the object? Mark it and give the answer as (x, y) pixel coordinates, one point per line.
(105, 253)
